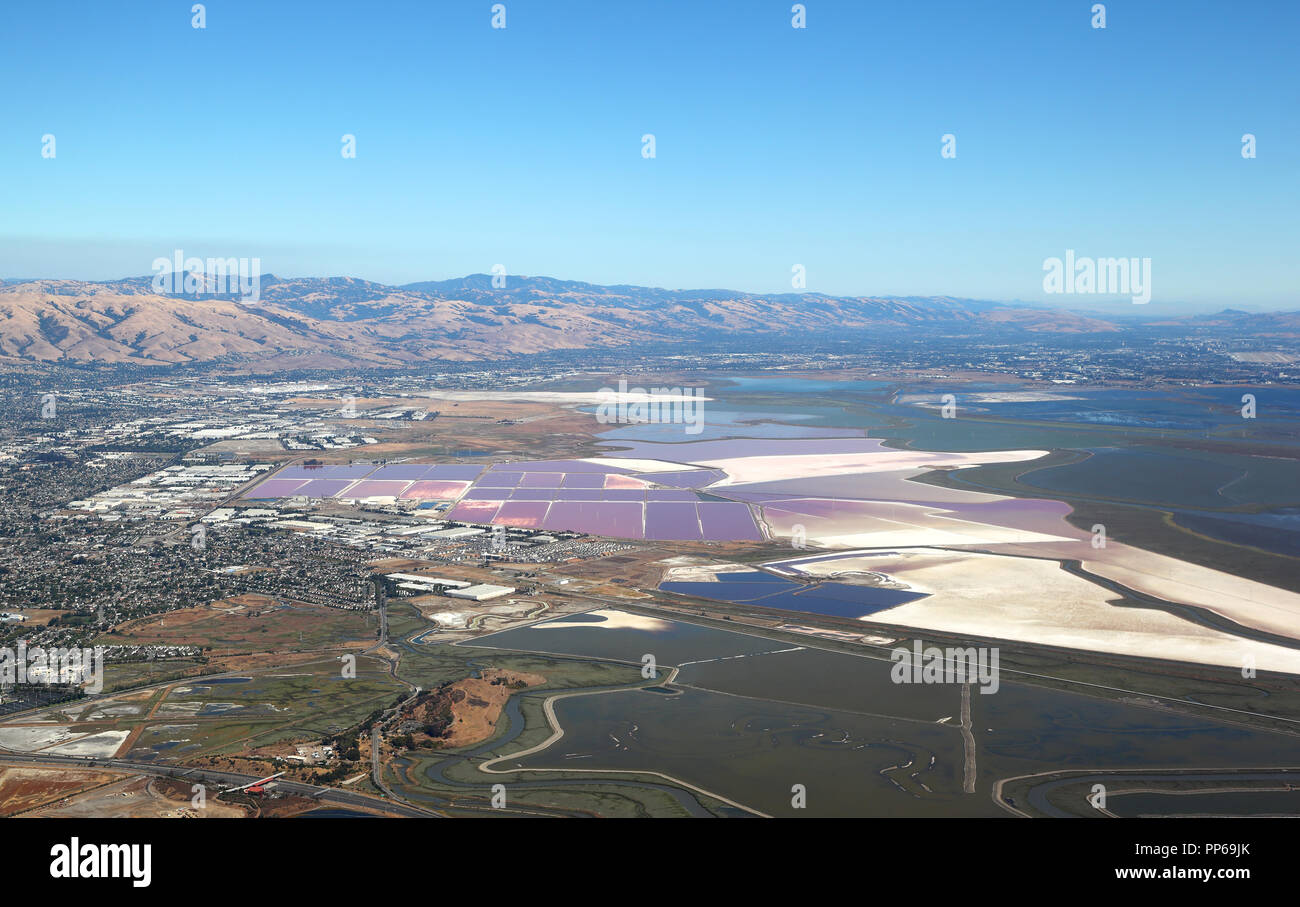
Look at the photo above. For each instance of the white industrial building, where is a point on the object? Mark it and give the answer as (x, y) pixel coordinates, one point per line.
(458, 532)
(426, 580)
(481, 592)
(413, 582)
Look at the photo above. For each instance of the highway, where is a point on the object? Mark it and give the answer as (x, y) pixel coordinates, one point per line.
(376, 740)
(220, 780)
(376, 730)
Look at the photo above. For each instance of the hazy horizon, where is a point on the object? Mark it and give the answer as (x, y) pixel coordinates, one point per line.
(1081, 304)
(774, 146)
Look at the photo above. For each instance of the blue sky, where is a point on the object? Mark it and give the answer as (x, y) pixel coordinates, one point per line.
(775, 146)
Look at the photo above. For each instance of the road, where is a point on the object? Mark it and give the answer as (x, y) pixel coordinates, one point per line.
(968, 742)
(376, 730)
(331, 795)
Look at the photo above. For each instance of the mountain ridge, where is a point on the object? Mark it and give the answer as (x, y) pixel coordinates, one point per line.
(347, 320)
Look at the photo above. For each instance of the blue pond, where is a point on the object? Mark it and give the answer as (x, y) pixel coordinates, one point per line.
(770, 591)
(1277, 531)
(1201, 409)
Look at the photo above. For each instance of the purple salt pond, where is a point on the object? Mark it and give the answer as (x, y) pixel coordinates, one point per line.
(499, 480)
(570, 494)
(669, 494)
(368, 488)
(727, 522)
(619, 520)
(337, 471)
(522, 514)
(434, 490)
(532, 494)
(584, 480)
(453, 471)
(541, 480)
(577, 494)
(323, 488)
(1029, 514)
(687, 478)
(405, 471)
(998, 511)
(665, 520)
(474, 511)
(622, 494)
(275, 488)
(829, 507)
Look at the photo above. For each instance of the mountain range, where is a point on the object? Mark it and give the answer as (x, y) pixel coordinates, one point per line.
(344, 321)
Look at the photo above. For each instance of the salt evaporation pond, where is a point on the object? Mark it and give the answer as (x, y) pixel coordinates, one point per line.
(754, 587)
